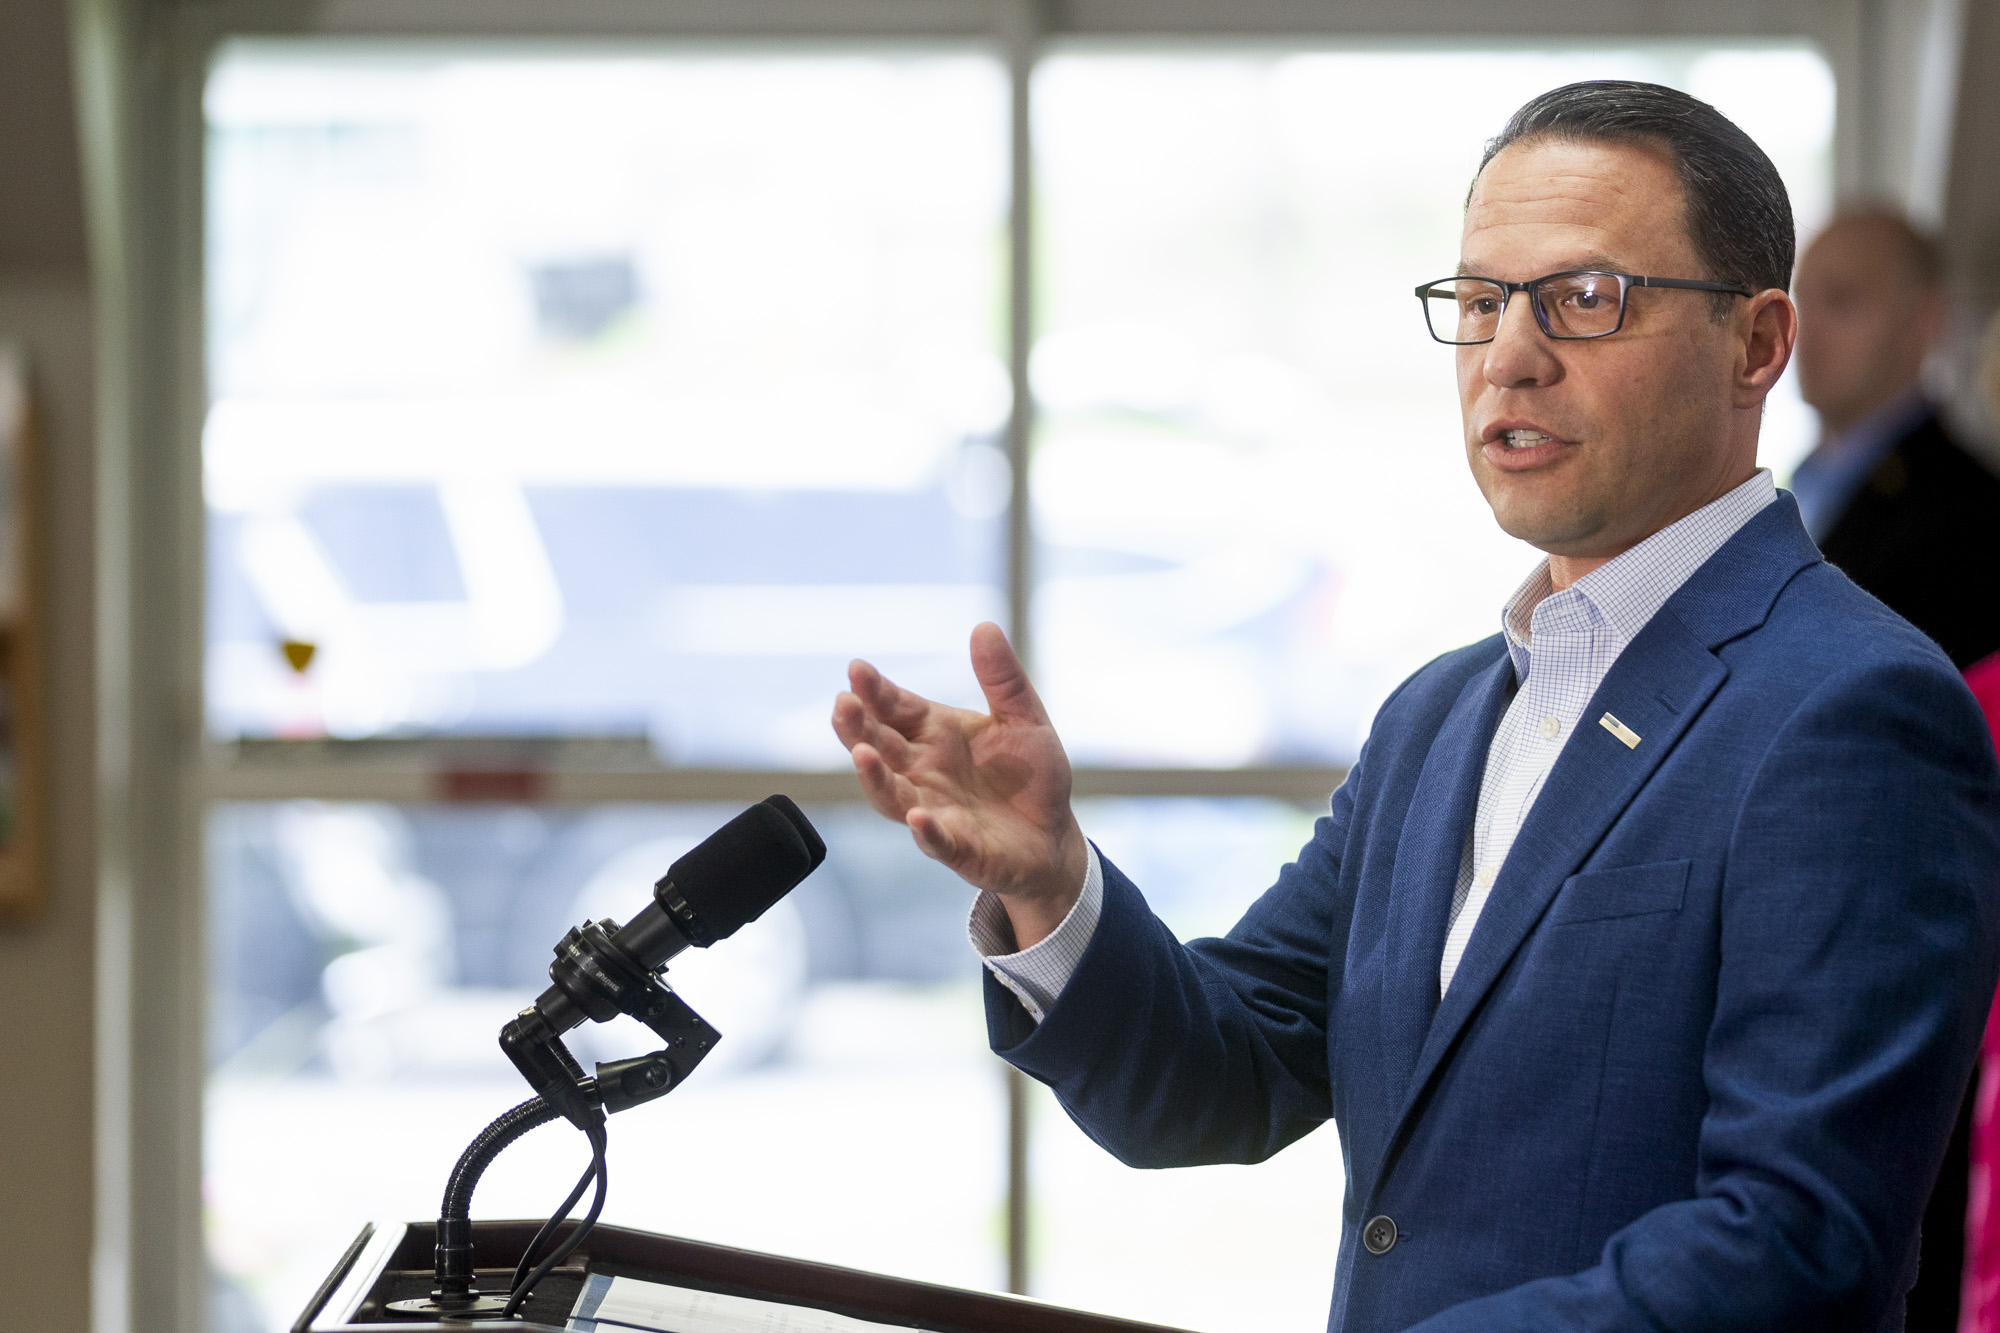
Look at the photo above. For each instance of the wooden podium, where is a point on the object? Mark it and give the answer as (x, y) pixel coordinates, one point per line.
(394, 1262)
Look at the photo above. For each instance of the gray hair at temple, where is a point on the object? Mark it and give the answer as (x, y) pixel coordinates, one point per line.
(1738, 215)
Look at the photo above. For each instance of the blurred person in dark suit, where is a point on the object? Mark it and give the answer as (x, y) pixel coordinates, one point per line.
(1889, 496)
(1909, 515)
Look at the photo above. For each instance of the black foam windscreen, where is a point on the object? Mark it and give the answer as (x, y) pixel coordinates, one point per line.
(808, 835)
(746, 865)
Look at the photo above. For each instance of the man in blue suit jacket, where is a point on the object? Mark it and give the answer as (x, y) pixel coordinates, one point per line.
(1643, 956)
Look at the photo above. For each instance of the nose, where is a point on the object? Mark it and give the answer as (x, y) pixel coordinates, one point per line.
(1520, 356)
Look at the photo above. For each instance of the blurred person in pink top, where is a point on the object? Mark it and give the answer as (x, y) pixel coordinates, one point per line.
(1979, 1308)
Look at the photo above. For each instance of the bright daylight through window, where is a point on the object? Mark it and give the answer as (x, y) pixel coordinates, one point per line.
(627, 396)
(611, 397)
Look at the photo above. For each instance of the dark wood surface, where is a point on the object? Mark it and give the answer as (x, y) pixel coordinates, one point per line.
(689, 1263)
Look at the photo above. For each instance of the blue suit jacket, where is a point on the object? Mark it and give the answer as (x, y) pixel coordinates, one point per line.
(1700, 1060)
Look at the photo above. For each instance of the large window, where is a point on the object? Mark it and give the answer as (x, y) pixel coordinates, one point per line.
(617, 396)
(605, 401)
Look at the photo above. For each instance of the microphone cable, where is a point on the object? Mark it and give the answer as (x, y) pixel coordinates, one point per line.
(525, 1287)
(560, 1216)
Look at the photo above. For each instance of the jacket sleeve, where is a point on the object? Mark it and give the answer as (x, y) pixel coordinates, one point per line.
(1858, 950)
(1178, 1055)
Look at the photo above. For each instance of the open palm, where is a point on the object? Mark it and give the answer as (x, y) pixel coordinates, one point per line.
(987, 794)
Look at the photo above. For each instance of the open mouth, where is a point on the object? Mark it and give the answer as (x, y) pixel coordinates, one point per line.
(1523, 439)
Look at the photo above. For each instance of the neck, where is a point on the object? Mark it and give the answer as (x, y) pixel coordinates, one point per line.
(1837, 422)
(1567, 569)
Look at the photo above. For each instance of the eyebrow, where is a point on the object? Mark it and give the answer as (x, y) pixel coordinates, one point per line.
(1590, 261)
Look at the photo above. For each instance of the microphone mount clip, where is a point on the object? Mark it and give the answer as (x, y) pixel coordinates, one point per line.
(595, 979)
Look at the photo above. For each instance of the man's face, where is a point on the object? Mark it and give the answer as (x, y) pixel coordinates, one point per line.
(1866, 321)
(1586, 448)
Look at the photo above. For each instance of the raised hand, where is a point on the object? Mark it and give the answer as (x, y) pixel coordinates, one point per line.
(985, 793)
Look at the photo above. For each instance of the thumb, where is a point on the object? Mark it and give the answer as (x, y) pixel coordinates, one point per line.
(1002, 678)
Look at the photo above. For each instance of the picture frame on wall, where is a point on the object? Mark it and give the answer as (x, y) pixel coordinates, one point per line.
(23, 783)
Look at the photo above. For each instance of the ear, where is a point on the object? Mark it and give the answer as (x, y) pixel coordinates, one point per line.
(1765, 330)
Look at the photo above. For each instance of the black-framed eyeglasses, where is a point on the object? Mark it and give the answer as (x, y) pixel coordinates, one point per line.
(1580, 303)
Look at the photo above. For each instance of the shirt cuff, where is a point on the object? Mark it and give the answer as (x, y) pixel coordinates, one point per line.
(1037, 974)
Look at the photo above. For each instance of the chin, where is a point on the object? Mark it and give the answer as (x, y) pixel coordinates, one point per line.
(1554, 534)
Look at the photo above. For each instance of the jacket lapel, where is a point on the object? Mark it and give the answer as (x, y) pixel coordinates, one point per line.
(1656, 689)
(1428, 854)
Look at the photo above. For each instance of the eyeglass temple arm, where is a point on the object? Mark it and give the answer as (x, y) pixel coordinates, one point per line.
(1693, 285)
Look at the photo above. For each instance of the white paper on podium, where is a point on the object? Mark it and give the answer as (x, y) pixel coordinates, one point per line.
(610, 1304)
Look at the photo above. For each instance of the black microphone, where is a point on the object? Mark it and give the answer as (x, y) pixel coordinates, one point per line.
(603, 970)
(716, 889)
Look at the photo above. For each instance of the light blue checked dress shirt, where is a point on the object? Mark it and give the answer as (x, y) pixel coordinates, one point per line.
(1563, 644)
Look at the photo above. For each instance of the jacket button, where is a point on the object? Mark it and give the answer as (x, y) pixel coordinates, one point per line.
(1380, 1234)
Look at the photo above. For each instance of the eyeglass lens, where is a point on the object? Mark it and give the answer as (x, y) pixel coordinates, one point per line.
(1576, 305)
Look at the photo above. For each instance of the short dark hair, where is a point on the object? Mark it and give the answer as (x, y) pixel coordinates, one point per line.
(1737, 214)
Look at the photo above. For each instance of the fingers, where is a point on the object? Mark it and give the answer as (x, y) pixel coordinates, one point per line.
(850, 720)
(887, 791)
(853, 725)
(1002, 678)
(866, 721)
(887, 701)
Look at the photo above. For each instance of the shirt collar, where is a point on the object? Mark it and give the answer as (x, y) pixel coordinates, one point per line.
(1827, 478)
(1627, 591)
(1871, 436)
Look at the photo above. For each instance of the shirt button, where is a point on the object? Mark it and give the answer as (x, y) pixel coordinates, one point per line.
(1379, 1235)
(1551, 728)
(1483, 878)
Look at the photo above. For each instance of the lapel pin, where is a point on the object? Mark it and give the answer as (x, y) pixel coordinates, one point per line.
(1620, 730)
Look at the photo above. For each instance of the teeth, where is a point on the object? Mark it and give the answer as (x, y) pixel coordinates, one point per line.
(1524, 439)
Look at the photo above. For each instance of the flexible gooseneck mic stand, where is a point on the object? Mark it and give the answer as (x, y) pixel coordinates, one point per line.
(594, 979)
(603, 970)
